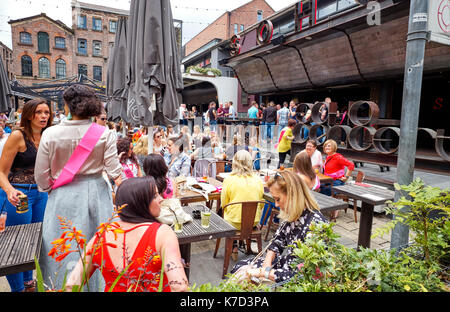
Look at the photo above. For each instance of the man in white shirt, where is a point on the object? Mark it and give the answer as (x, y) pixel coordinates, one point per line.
(232, 111)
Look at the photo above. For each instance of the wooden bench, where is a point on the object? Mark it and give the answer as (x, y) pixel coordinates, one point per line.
(19, 245)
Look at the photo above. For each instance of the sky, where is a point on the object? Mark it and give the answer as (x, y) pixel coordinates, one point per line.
(195, 14)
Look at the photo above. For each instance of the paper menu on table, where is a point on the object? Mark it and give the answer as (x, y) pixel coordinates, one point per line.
(372, 197)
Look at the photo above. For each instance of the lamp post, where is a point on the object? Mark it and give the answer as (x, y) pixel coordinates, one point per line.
(415, 54)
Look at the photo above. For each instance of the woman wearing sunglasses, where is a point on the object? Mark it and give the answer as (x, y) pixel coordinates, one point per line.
(298, 210)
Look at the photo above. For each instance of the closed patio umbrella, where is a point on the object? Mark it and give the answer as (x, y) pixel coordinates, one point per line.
(153, 64)
(5, 90)
(115, 82)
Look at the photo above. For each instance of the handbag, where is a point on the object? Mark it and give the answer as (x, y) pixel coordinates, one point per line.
(80, 154)
(172, 211)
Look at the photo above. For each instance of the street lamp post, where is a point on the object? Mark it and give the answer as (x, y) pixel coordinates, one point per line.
(415, 54)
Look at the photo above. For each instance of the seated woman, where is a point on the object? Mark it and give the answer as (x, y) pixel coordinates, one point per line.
(256, 154)
(197, 137)
(158, 146)
(303, 167)
(298, 209)
(128, 159)
(155, 166)
(334, 167)
(315, 155)
(179, 162)
(241, 185)
(203, 151)
(142, 245)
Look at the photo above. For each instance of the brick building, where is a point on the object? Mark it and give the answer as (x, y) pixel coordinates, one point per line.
(230, 23)
(7, 58)
(42, 49)
(95, 29)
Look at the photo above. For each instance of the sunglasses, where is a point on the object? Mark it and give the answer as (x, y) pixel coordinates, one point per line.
(278, 175)
(103, 118)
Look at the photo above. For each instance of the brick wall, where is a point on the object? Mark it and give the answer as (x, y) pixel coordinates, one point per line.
(223, 27)
(33, 26)
(105, 36)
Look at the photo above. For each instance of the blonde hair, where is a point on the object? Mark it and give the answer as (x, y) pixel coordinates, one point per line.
(242, 164)
(141, 147)
(298, 195)
(332, 143)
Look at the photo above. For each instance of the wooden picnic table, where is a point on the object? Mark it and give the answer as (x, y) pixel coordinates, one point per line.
(370, 196)
(194, 232)
(19, 245)
(193, 197)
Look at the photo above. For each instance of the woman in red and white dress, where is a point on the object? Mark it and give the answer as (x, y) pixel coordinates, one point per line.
(128, 159)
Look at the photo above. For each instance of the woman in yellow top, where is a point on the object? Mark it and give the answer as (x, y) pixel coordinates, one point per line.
(241, 185)
(285, 141)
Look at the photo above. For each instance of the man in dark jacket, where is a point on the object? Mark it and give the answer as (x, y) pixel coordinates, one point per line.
(269, 119)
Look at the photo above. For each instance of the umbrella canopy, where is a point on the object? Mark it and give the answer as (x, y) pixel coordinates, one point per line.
(5, 90)
(153, 64)
(115, 81)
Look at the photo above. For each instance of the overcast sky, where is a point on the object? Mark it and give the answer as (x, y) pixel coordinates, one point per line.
(195, 14)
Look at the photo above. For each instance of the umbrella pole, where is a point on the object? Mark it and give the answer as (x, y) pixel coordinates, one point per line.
(150, 133)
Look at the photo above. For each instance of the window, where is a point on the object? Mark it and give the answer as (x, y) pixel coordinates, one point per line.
(98, 73)
(43, 44)
(82, 46)
(25, 38)
(82, 22)
(235, 28)
(96, 48)
(60, 69)
(44, 67)
(96, 24)
(113, 26)
(259, 16)
(82, 69)
(27, 66)
(328, 7)
(242, 27)
(60, 43)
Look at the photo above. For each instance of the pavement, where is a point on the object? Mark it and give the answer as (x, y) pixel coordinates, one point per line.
(206, 269)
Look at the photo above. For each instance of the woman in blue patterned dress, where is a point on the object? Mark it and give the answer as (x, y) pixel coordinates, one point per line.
(298, 209)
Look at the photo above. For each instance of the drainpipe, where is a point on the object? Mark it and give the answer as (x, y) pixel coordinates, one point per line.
(415, 54)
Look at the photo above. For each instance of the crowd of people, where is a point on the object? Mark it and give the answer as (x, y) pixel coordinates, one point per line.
(117, 168)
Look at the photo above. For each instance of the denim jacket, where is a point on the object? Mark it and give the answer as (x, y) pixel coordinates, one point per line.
(181, 166)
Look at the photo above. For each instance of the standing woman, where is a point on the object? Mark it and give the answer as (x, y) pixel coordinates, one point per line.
(17, 177)
(87, 200)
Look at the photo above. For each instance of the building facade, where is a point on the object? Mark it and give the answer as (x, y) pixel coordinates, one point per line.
(94, 33)
(7, 58)
(42, 49)
(230, 23)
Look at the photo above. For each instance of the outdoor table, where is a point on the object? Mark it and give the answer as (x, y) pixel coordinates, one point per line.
(324, 178)
(326, 203)
(370, 196)
(194, 232)
(189, 196)
(19, 245)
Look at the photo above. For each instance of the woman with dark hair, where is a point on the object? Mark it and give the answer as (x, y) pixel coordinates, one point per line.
(142, 238)
(177, 160)
(87, 199)
(17, 176)
(128, 159)
(303, 167)
(155, 166)
(314, 155)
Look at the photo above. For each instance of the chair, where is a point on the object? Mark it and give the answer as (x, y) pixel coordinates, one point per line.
(217, 166)
(359, 179)
(273, 213)
(245, 234)
(202, 168)
(263, 162)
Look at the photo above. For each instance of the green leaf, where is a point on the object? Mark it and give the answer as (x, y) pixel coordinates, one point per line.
(39, 278)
